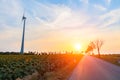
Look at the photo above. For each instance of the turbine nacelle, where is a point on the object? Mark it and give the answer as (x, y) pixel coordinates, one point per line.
(23, 18)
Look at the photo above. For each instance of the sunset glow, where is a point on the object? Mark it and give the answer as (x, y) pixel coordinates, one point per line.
(59, 39)
(78, 47)
(55, 25)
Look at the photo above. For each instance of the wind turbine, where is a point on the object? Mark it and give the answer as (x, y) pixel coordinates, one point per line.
(23, 34)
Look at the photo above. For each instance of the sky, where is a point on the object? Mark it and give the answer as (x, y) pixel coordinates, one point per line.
(57, 25)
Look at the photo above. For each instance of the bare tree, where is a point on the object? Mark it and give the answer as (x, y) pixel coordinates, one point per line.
(98, 44)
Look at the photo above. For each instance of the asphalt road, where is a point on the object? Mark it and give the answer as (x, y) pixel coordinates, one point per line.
(91, 68)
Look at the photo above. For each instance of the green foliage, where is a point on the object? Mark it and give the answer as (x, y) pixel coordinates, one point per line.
(19, 66)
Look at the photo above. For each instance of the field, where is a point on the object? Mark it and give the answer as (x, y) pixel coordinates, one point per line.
(43, 66)
(40, 67)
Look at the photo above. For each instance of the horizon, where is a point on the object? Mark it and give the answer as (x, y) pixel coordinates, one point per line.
(60, 25)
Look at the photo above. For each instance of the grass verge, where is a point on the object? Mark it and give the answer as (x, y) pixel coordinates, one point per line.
(112, 58)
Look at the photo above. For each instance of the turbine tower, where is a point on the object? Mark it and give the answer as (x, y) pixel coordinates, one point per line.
(23, 35)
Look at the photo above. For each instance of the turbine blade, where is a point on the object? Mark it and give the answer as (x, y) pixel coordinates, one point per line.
(23, 17)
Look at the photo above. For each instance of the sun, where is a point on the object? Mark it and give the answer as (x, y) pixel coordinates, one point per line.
(78, 46)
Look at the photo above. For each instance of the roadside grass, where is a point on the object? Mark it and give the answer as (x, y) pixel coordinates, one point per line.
(112, 58)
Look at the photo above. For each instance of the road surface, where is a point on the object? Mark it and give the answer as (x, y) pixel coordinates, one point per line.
(91, 68)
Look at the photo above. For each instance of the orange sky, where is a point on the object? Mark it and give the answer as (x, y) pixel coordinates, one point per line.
(58, 25)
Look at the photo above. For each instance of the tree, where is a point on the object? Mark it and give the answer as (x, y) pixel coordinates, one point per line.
(98, 44)
(91, 47)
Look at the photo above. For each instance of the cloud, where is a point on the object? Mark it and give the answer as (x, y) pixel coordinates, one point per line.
(51, 26)
(85, 1)
(58, 20)
(68, 16)
(108, 2)
(110, 18)
(10, 31)
(11, 8)
(100, 7)
(10, 38)
(59, 16)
